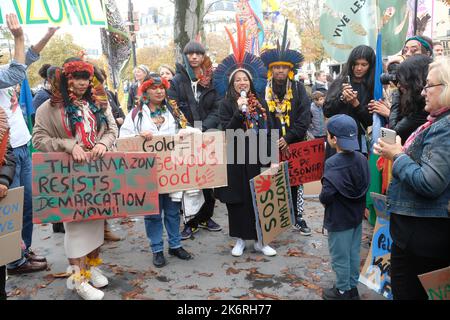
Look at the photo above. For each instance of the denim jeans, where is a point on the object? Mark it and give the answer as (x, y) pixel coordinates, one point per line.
(23, 177)
(344, 249)
(154, 225)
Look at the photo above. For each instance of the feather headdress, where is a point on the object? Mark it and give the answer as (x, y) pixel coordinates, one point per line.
(240, 60)
(282, 55)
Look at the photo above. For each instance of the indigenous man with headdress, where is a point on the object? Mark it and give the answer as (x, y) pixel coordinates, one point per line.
(289, 108)
(78, 120)
(193, 92)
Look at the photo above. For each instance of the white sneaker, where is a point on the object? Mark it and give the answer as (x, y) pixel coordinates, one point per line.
(98, 280)
(239, 248)
(88, 292)
(268, 251)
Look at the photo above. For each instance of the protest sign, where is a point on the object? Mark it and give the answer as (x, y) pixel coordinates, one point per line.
(272, 202)
(306, 161)
(55, 12)
(189, 162)
(376, 272)
(437, 284)
(118, 185)
(11, 213)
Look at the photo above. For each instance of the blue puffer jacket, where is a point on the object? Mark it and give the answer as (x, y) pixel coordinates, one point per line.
(421, 179)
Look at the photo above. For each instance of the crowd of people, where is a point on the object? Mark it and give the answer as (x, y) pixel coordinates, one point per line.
(77, 114)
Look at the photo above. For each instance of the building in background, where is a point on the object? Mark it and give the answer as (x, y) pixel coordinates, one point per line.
(156, 26)
(441, 30)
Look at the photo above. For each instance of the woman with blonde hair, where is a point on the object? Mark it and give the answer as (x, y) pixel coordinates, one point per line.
(166, 72)
(419, 194)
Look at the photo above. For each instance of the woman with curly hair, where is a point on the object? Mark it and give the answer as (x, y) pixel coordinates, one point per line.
(77, 120)
(407, 111)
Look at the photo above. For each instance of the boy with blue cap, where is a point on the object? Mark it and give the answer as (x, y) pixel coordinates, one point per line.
(344, 186)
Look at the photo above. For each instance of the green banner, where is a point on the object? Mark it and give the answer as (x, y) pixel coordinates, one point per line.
(346, 24)
(55, 12)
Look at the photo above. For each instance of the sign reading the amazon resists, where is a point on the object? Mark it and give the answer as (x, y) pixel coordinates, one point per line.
(55, 12)
(118, 185)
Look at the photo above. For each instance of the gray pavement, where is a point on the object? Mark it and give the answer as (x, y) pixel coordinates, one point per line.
(298, 272)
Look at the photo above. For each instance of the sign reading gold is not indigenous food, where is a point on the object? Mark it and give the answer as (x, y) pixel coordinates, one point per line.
(55, 12)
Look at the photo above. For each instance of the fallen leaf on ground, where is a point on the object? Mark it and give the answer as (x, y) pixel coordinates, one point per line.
(190, 287)
(263, 295)
(213, 297)
(245, 297)
(46, 238)
(217, 290)
(231, 270)
(58, 275)
(204, 274)
(294, 252)
(132, 294)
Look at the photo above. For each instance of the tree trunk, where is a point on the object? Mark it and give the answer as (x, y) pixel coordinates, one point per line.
(188, 21)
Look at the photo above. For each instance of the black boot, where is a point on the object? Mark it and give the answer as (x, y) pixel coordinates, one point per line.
(158, 259)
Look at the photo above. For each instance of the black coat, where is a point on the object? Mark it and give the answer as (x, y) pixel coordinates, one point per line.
(238, 174)
(115, 105)
(206, 110)
(345, 183)
(300, 115)
(132, 94)
(8, 170)
(333, 106)
(405, 125)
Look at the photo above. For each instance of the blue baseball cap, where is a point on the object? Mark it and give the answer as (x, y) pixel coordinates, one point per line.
(344, 128)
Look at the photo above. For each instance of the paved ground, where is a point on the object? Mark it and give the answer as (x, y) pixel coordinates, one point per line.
(298, 272)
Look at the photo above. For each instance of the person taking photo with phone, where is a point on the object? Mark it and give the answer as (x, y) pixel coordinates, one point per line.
(352, 91)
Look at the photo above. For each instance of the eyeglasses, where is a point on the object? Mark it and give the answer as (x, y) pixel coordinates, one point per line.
(431, 86)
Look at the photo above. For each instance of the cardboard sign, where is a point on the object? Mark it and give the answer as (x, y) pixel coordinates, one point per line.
(306, 161)
(55, 12)
(191, 162)
(118, 185)
(11, 215)
(272, 201)
(437, 284)
(376, 272)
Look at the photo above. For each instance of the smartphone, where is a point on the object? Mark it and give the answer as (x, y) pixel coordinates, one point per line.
(388, 135)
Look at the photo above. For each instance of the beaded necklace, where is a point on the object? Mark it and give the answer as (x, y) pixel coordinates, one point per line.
(280, 108)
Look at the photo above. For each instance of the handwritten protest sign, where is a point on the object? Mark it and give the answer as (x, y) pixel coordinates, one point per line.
(272, 201)
(376, 272)
(306, 161)
(195, 161)
(55, 12)
(118, 185)
(437, 284)
(11, 212)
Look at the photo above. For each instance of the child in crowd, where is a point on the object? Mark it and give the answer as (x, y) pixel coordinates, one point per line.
(317, 127)
(344, 187)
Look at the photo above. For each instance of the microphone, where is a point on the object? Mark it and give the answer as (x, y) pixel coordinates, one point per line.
(244, 106)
